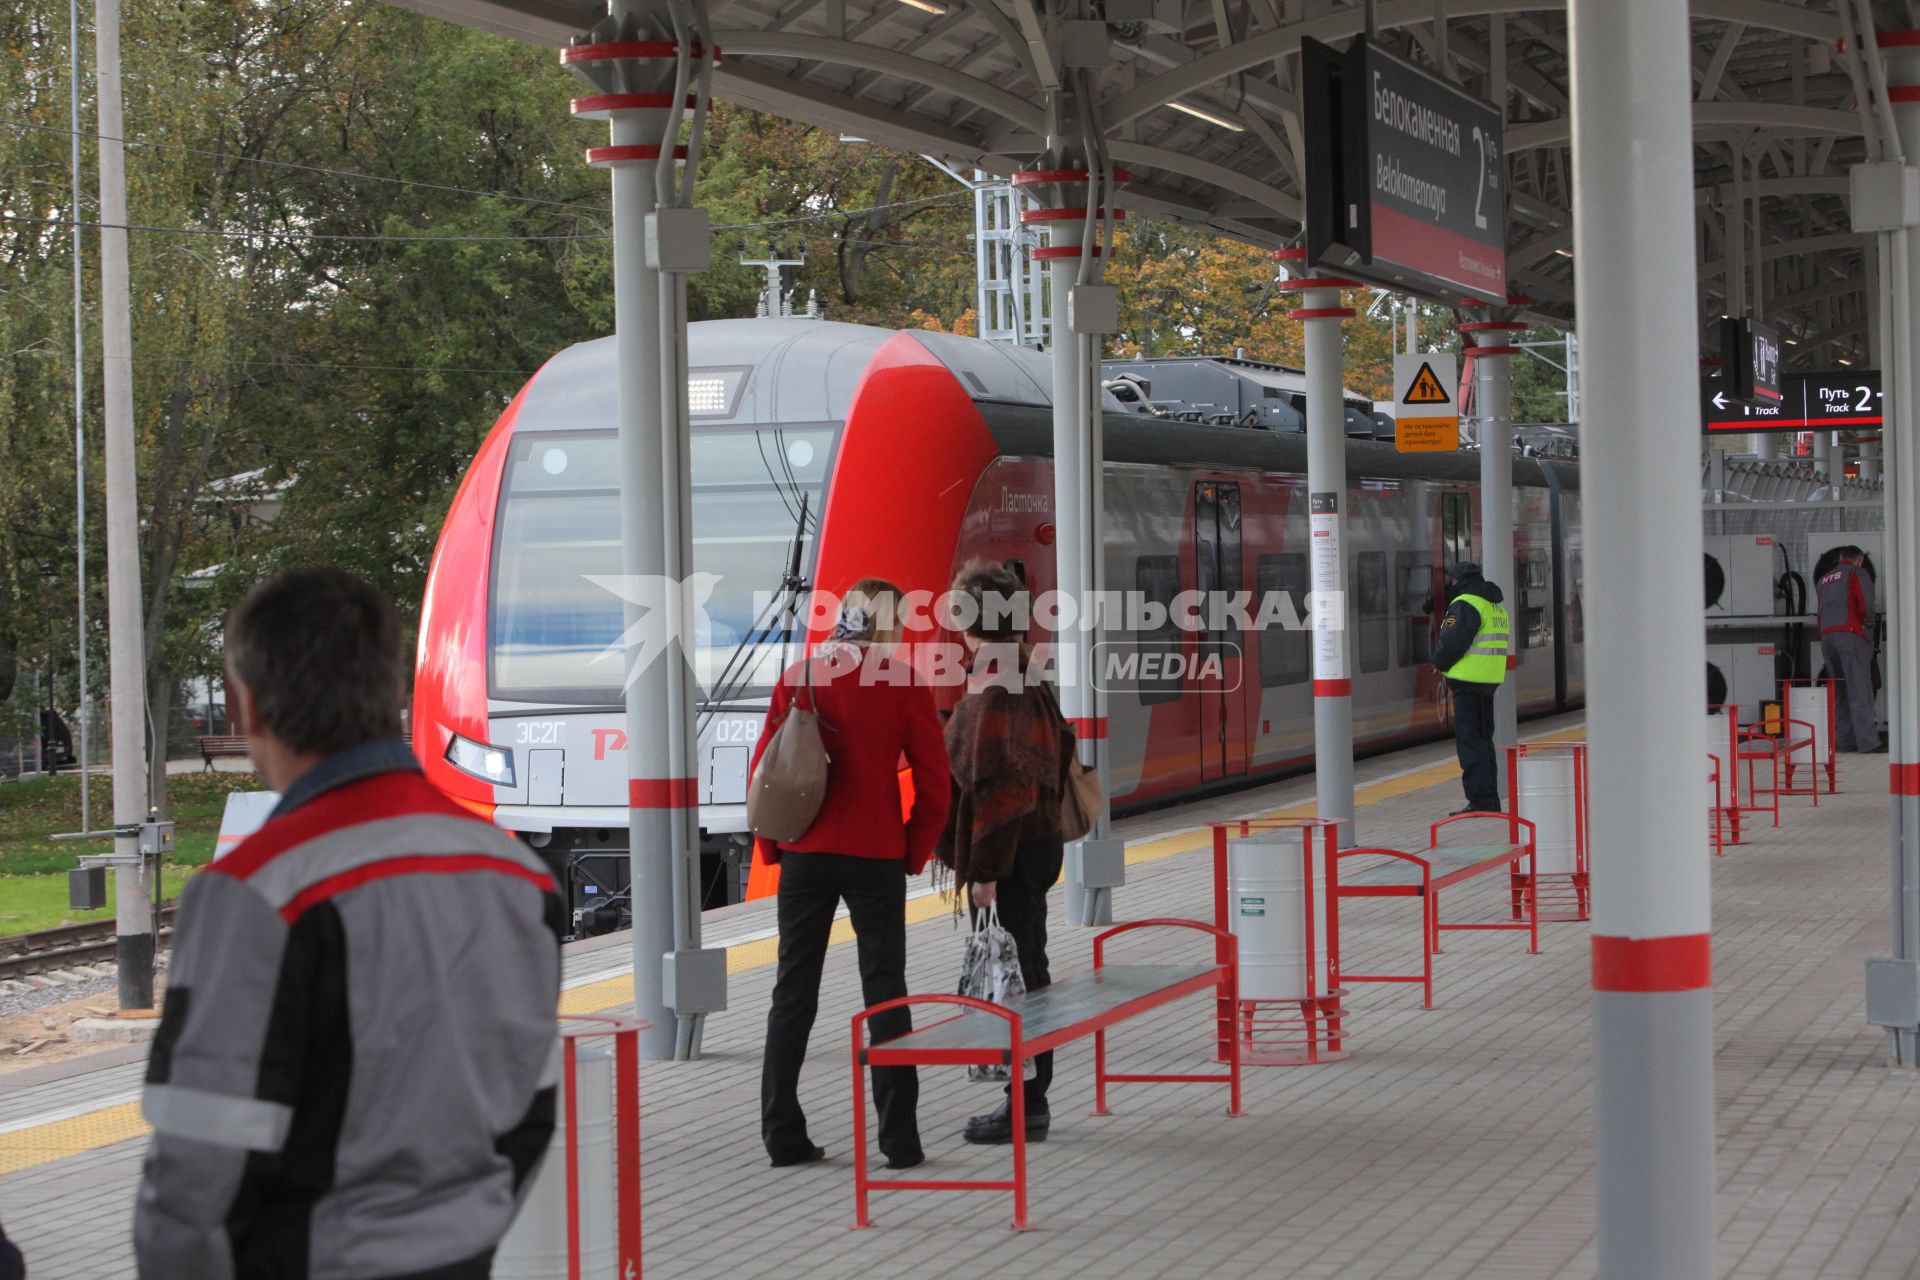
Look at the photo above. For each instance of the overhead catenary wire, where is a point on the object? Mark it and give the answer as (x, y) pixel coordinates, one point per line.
(462, 238)
(323, 170)
(575, 206)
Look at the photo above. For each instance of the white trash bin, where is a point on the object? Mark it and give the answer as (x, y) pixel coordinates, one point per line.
(535, 1247)
(1545, 795)
(1810, 704)
(1267, 912)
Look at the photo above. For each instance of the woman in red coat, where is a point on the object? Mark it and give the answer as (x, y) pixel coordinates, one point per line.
(873, 709)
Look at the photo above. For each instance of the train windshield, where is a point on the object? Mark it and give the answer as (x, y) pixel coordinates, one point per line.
(557, 606)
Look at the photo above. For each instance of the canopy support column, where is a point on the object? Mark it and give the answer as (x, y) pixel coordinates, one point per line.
(1493, 352)
(1075, 185)
(1893, 981)
(1652, 984)
(643, 63)
(1327, 554)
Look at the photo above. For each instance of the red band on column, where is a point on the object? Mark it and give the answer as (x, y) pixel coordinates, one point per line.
(1322, 313)
(1051, 252)
(623, 50)
(1905, 779)
(629, 102)
(1683, 963)
(1903, 93)
(626, 154)
(1068, 215)
(1088, 728)
(1028, 177)
(1333, 688)
(662, 793)
(1317, 282)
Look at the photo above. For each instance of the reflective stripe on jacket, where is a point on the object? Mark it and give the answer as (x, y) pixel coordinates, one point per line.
(1486, 659)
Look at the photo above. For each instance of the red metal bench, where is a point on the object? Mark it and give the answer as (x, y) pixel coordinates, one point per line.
(1395, 873)
(1085, 1004)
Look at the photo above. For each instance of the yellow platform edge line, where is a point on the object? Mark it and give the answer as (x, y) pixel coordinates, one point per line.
(26, 1149)
(45, 1143)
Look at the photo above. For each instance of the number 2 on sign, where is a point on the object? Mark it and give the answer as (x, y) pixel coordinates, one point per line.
(1488, 155)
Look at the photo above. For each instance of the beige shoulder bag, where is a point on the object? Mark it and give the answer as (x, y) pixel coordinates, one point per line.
(790, 782)
(1079, 786)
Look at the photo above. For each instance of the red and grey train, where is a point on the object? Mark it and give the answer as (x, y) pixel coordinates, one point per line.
(903, 455)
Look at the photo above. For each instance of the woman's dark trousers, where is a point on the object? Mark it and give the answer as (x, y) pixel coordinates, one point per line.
(812, 886)
(1023, 913)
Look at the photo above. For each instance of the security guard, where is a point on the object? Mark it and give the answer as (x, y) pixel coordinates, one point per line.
(1472, 654)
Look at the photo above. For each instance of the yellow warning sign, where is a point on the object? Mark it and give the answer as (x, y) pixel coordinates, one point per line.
(1425, 417)
(1426, 388)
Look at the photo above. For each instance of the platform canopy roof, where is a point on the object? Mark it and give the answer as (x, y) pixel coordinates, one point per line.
(1203, 111)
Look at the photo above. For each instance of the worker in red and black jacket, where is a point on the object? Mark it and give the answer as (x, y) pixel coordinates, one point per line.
(355, 1070)
(873, 709)
(1845, 594)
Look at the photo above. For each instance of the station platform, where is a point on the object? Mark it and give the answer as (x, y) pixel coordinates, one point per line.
(1452, 1142)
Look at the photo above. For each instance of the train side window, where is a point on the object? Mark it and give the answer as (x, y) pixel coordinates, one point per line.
(1157, 579)
(1374, 606)
(1535, 605)
(1456, 527)
(1283, 650)
(1416, 608)
(1576, 599)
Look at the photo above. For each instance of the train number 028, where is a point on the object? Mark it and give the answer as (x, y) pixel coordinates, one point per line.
(742, 730)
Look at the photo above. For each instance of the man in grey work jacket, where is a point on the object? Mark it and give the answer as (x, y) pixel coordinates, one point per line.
(1846, 641)
(1475, 638)
(355, 1067)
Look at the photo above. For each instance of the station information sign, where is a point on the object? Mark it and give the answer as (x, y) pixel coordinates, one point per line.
(1751, 351)
(1404, 184)
(1841, 400)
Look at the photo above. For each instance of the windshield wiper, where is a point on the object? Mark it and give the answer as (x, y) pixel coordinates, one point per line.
(779, 613)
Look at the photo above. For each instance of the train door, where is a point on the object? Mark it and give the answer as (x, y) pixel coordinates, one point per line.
(1453, 544)
(1219, 675)
(1456, 528)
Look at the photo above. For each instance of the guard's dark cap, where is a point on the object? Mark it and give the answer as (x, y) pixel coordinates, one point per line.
(1465, 571)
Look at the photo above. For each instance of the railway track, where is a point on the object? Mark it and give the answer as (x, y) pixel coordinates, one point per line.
(67, 947)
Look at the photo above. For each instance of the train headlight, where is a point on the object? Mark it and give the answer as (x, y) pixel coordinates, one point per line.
(489, 764)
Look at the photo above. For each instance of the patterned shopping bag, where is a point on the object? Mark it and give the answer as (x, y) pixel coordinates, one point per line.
(990, 971)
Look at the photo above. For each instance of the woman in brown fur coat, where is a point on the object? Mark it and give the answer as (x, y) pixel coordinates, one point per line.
(1005, 745)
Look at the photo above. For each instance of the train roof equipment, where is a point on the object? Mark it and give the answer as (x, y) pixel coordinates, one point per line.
(1229, 391)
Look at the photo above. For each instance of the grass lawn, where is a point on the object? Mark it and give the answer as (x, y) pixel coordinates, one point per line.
(33, 867)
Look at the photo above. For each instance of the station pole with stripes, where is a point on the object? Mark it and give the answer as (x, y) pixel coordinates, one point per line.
(632, 63)
(1493, 352)
(1321, 315)
(1893, 983)
(1652, 988)
(1067, 187)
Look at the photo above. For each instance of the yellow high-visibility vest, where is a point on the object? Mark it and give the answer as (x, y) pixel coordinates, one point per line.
(1486, 659)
